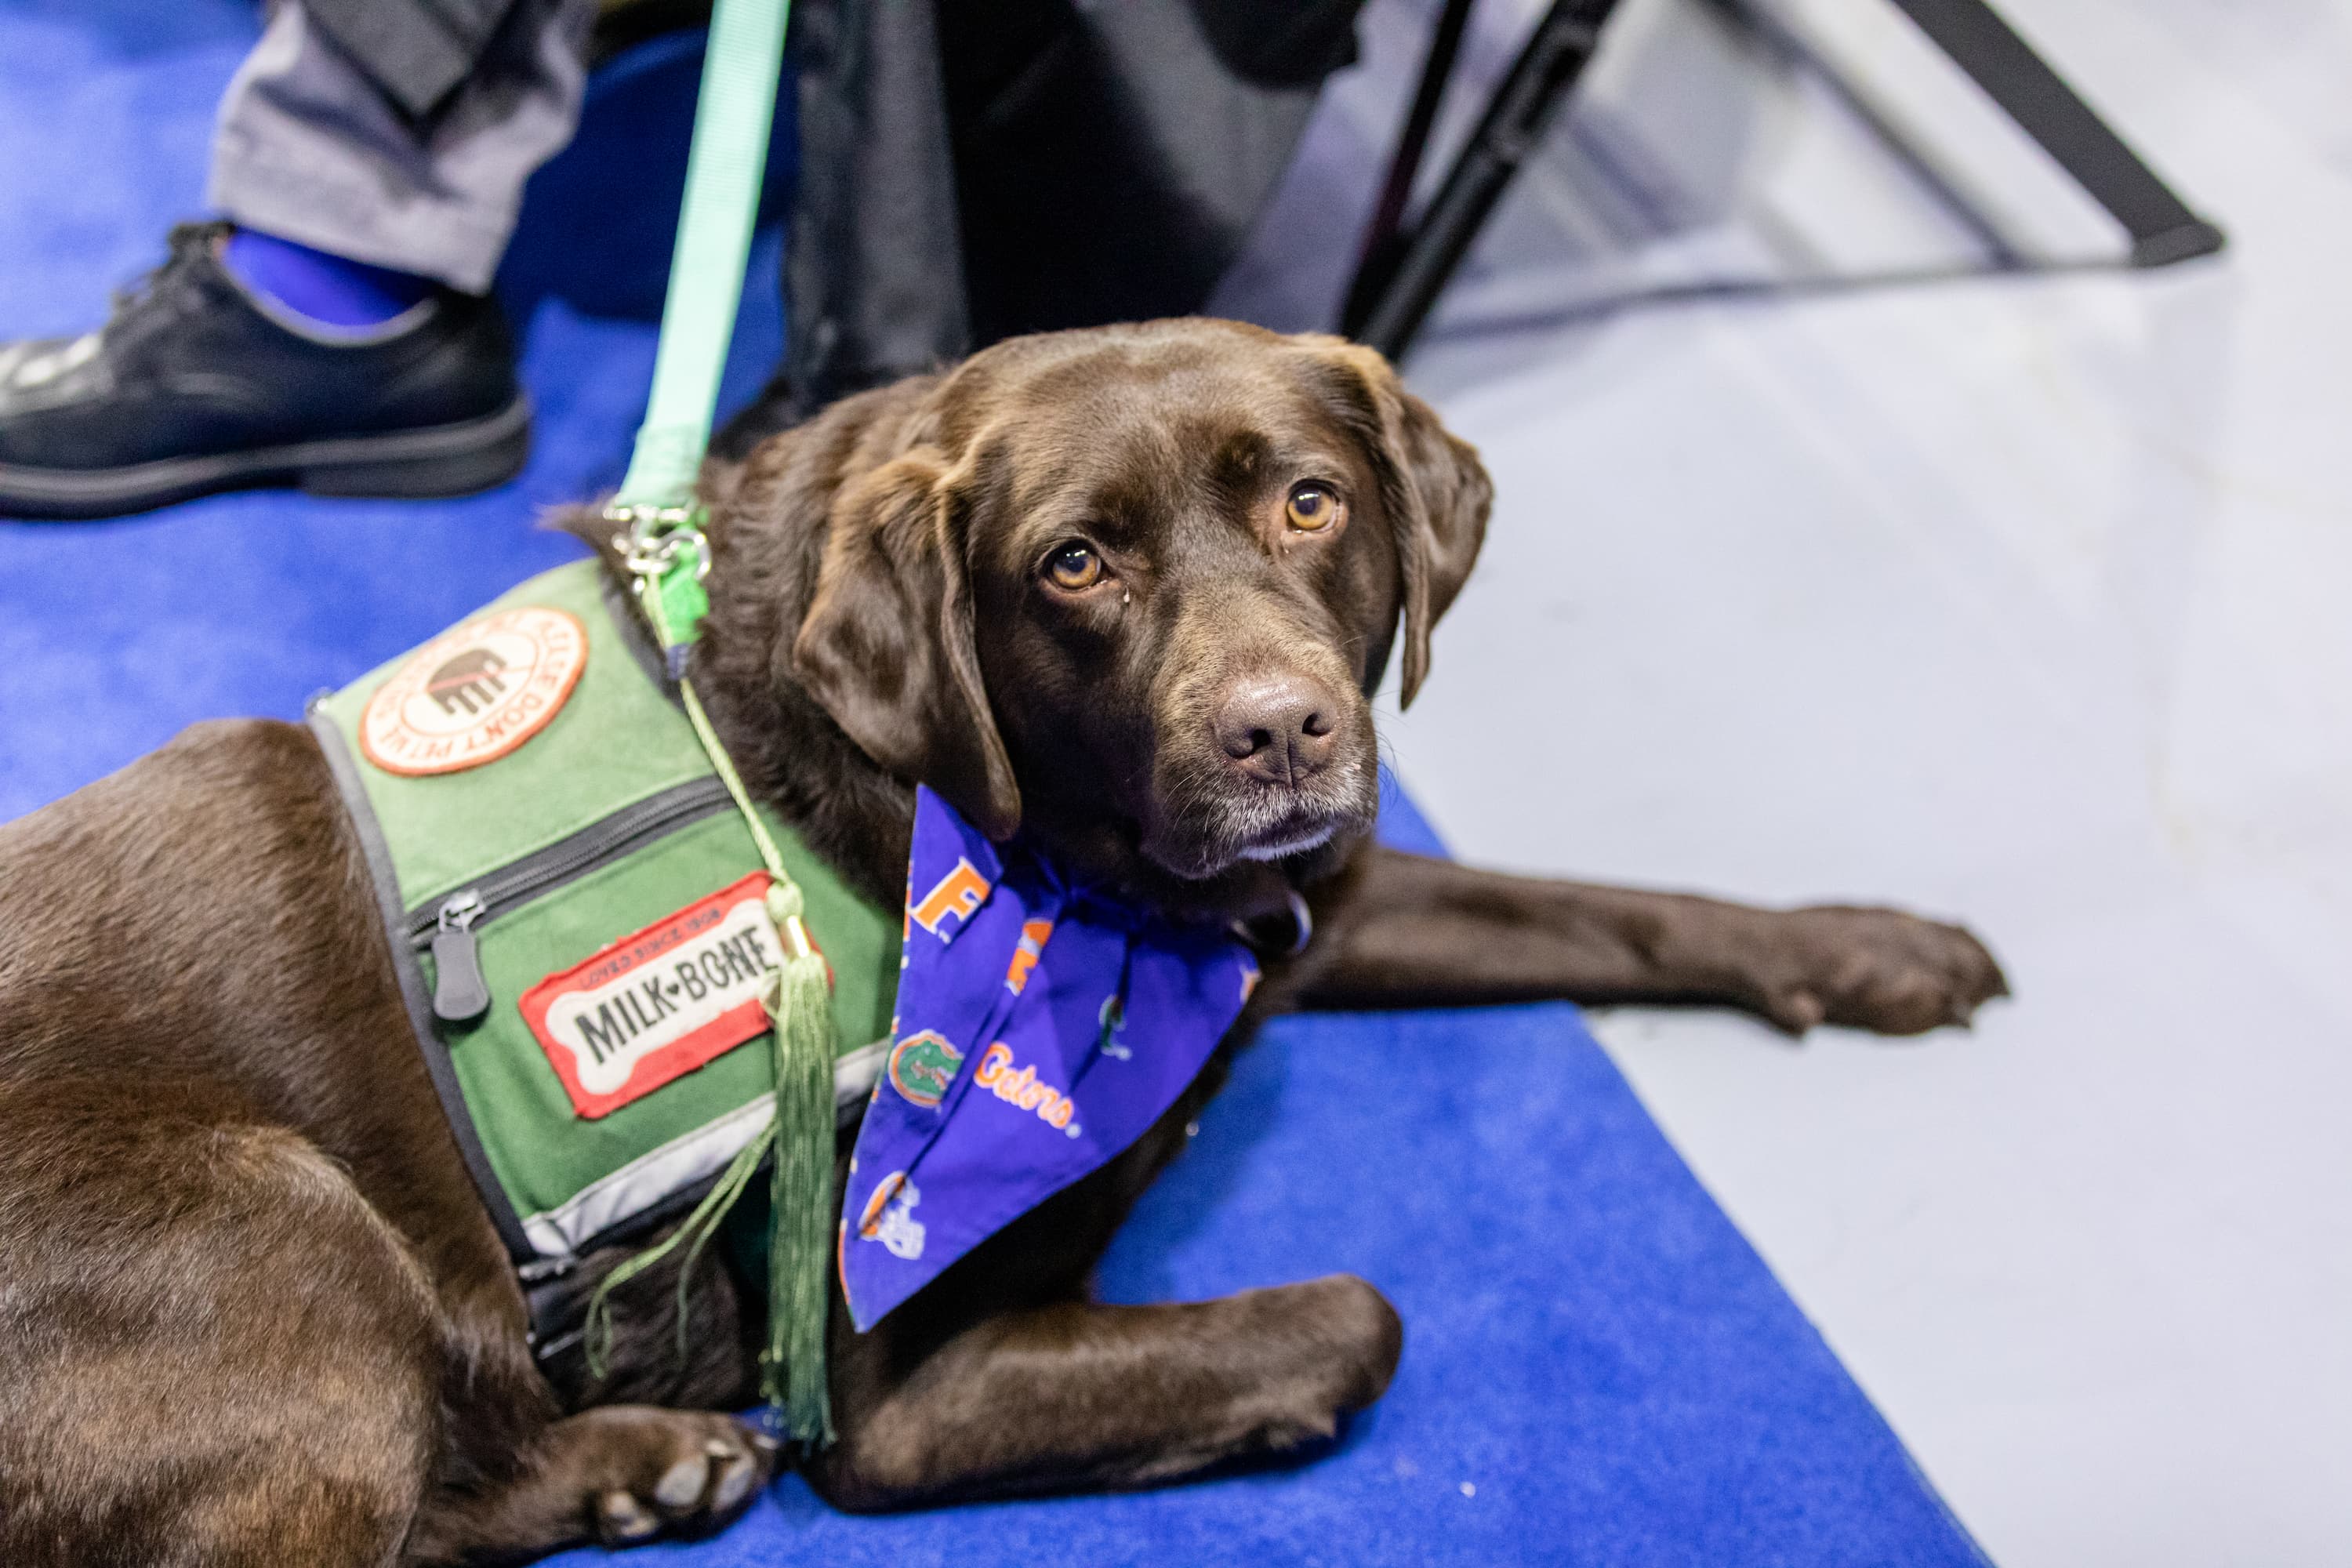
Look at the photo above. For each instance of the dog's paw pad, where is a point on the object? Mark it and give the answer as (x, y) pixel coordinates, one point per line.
(673, 1472)
(1876, 968)
(736, 1476)
(621, 1518)
(681, 1485)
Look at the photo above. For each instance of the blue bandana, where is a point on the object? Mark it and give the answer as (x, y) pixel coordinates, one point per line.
(1041, 1029)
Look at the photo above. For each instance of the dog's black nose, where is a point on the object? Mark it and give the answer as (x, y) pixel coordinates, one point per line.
(1281, 729)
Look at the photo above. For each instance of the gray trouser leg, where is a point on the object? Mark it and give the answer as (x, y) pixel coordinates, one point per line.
(310, 148)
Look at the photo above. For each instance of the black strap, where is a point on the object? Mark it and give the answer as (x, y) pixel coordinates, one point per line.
(2162, 227)
(413, 993)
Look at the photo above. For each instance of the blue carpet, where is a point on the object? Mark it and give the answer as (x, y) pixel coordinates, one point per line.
(1598, 1369)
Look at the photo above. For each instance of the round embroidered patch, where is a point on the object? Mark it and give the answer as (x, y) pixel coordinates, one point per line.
(476, 692)
(923, 1066)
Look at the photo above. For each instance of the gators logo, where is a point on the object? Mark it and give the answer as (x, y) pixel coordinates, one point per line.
(923, 1066)
(889, 1218)
(1112, 1016)
(957, 897)
(1025, 955)
(1022, 1090)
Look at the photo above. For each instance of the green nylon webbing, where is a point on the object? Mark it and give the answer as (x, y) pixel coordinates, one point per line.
(667, 553)
(732, 121)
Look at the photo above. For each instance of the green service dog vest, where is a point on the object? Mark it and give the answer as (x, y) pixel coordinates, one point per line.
(576, 912)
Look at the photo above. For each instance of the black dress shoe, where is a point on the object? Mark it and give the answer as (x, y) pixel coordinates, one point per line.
(194, 388)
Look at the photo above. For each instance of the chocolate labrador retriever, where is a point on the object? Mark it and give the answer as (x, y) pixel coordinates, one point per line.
(1125, 591)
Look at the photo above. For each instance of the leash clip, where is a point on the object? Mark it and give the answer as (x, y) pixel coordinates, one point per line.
(666, 551)
(654, 537)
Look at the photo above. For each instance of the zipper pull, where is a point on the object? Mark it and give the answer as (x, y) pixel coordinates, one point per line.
(460, 995)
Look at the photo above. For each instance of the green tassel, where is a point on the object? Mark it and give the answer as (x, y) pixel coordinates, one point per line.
(800, 1241)
(668, 557)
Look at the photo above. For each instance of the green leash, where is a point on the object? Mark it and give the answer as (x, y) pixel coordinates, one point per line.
(732, 119)
(665, 549)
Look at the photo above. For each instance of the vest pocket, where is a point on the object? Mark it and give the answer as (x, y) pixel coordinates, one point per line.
(461, 995)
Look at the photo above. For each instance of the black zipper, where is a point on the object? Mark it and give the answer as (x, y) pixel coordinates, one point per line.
(460, 995)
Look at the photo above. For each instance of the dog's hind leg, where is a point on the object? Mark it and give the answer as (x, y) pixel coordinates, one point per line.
(1079, 1395)
(217, 1355)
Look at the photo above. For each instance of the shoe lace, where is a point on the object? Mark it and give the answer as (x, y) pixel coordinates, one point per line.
(187, 241)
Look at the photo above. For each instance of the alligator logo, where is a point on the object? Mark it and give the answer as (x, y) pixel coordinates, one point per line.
(923, 1066)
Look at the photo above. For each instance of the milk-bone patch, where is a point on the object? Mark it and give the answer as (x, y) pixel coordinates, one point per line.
(655, 1006)
(476, 692)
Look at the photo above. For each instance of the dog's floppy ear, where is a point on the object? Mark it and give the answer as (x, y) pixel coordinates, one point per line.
(886, 646)
(1432, 487)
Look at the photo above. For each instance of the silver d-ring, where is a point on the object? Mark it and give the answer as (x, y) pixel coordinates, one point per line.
(1302, 920)
(1302, 923)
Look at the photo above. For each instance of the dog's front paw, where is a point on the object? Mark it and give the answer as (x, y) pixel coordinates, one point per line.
(672, 1472)
(1871, 969)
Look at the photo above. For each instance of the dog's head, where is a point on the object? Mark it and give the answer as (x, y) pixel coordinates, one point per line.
(1129, 590)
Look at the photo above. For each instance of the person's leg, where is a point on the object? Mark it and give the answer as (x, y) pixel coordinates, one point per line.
(874, 268)
(335, 334)
(972, 169)
(312, 148)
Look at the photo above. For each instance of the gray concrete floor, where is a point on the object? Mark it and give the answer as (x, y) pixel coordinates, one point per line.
(2025, 602)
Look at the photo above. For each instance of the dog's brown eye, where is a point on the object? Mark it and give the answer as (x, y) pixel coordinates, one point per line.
(1313, 508)
(1075, 566)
